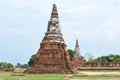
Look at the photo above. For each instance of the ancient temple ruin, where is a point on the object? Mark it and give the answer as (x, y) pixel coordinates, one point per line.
(52, 57)
(77, 51)
(77, 59)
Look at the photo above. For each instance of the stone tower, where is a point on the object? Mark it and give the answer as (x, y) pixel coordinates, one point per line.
(77, 51)
(77, 59)
(53, 33)
(52, 57)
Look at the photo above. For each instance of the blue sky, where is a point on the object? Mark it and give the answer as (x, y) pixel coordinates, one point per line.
(95, 23)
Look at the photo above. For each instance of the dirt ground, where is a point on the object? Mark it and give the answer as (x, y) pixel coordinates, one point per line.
(98, 79)
(100, 73)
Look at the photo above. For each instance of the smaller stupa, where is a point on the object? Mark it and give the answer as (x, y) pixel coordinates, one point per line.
(77, 58)
(77, 51)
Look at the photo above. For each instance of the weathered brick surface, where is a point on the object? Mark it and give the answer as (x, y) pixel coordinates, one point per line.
(52, 57)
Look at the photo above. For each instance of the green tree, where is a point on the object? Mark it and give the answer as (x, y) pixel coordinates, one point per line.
(5, 65)
(71, 52)
(10, 65)
(22, 65)
(32, 60)
(25, 66)
(108, 58)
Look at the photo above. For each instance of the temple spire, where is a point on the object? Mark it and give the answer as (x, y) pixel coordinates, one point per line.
(77, 45)
(77, 50)
(54, 30)
(54, 11)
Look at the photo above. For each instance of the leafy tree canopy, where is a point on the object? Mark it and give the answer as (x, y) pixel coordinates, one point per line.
(108, 58)
(71, 52)
(22, 65)
(5, 65)
(32, 60)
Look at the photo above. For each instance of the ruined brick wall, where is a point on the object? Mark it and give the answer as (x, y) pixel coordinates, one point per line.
(52, 57)
(101, 64)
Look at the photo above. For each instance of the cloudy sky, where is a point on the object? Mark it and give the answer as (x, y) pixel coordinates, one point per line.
(95, 23)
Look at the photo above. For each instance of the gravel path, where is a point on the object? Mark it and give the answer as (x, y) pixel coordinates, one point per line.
(98, 79)
(101, 73)
(67, 77)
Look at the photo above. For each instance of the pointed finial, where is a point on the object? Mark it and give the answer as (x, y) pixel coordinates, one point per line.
(54, 10)
(77, 45)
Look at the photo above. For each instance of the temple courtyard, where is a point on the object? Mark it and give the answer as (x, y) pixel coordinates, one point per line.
(81, 75)
(54, 62)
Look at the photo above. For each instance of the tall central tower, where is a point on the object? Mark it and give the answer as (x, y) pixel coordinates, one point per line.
(52, 57)
(54, 30)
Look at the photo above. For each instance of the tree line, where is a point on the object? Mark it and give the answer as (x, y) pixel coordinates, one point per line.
(4, 65)
(107, 58)
(88, 58)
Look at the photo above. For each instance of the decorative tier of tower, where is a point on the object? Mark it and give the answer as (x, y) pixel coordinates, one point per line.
(77, 51)
(54, 30)
(52, 57)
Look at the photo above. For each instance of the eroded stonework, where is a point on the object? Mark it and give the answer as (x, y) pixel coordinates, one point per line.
(52, 57)
(77, 51)
(77, 59)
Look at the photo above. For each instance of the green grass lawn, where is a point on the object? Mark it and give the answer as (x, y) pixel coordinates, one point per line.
(7, 76)
(80, 75)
